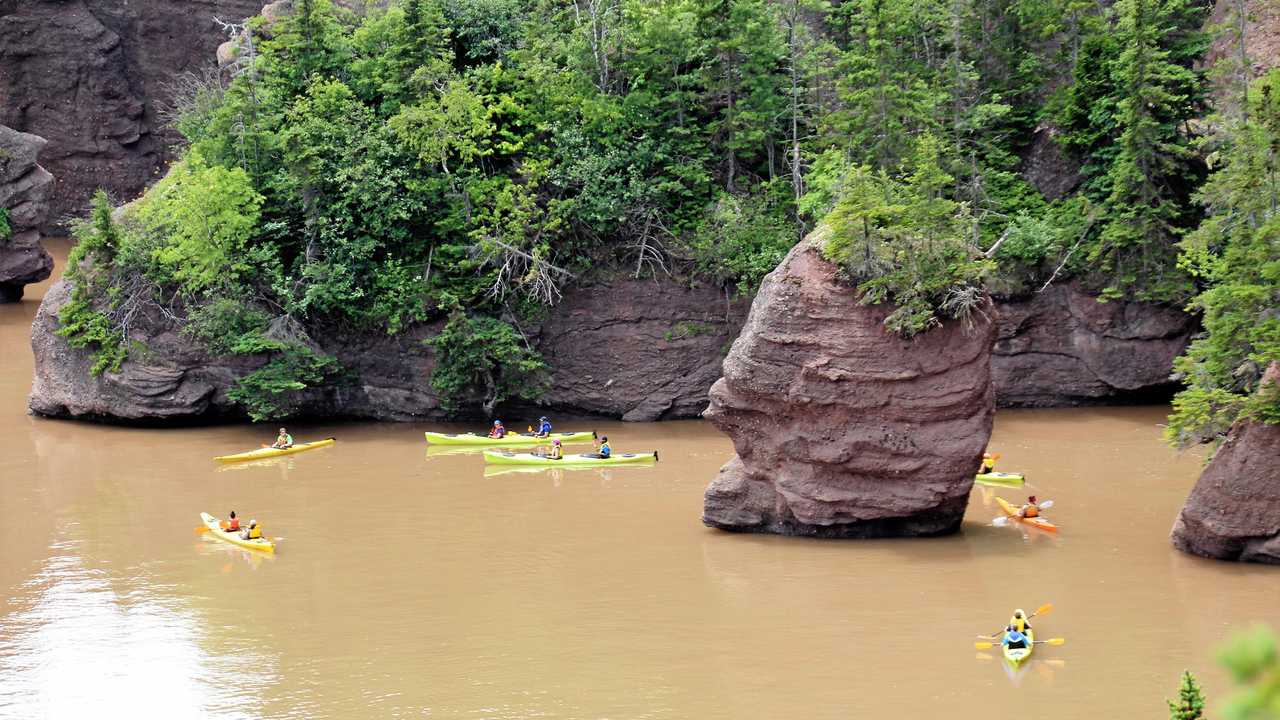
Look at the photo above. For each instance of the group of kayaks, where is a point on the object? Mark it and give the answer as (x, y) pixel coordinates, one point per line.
(541, 459)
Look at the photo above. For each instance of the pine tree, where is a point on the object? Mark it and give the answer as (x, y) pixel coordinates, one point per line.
(1190, 702)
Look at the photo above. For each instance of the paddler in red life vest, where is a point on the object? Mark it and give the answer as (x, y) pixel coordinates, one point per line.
(233, 524)
(1031, 509)
(498, 430)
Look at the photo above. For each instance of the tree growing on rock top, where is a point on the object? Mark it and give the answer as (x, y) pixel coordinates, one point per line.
(1190, 702)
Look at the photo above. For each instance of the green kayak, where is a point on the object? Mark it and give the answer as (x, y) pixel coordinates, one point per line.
(999, 479)
(497, 457)
(510, 439)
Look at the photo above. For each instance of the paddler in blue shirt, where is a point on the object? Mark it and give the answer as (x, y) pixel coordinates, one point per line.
(544, 427)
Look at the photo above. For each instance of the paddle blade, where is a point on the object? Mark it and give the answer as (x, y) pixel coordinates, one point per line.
(1000, 521)
(984, 645)
(1055, 641)
(1043, 609)
(1046, 504)
(202, 528)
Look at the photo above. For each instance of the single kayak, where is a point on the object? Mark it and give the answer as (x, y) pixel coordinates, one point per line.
(1012, 512)
(1020, 650)
(274, 452)
(510, 439)
(999, 479)
(234, 538)
(497, 457)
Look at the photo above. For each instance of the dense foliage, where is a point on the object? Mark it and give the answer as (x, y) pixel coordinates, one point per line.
(1252, 659)
(1236, 253)
(5, 228)
(372, 170)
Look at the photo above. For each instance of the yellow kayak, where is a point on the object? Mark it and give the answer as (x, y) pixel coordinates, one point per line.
(261, 544)
(510, 439)
(498, 457)
(999, 479)
(274, 452)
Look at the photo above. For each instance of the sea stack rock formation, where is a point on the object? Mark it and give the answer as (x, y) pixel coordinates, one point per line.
(843, 429)
(24, 187)
(1233, 512)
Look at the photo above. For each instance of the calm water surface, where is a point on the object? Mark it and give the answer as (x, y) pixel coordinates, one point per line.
(410, 584)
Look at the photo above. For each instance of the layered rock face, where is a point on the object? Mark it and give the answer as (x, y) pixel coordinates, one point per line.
(88, 75)
(1063, 347)
(637, 349)
(841, 428)
(1233, 512)
(24, 189)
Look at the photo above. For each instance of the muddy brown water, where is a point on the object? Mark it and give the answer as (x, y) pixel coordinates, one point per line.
(414, 584)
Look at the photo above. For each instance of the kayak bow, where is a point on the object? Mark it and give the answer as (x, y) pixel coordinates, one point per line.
(260, 544)
(274, 452)
(497, 457)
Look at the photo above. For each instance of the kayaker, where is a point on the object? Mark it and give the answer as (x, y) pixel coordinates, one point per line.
(1031, 509)
(1018, 623)
(988, 464)
(603, 451)
(253, 532)
(284, 440)
(556, 452)
(498, 430)
(1015, 639)
(544, 427)
(233, 524)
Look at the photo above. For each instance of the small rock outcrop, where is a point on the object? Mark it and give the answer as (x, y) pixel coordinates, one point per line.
(24, 189)
(841, 428)
(1233, 512)
(88, 75)
(637, 349)
(1064, 347)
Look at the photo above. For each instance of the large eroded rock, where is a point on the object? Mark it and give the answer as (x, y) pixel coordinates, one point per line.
(24, 190)
(626, 348)
(841, 428)
(1233, 512)
(1064, 347)
(88, 76)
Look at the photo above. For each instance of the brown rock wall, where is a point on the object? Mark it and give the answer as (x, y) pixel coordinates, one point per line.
(24, 189)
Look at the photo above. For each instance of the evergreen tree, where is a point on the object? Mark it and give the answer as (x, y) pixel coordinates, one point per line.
(1190, 702)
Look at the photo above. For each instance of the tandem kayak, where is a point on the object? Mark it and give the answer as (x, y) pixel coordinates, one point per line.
(999, 479)
(274, 452)
(1012, 512)
(1022, 650)
(261, 544)
(497, 457)
(510, 439)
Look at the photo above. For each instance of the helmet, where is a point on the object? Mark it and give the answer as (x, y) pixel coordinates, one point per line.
(253, 523)
(497, 422)
(555, 442)
(544, 417)
(1018, 613)
(986, 455)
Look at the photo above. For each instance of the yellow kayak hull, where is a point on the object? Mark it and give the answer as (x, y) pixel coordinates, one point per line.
(999, 479)
(497, 457)
(263, 453)
(1012, 512)
(259, 544)
(510, 440)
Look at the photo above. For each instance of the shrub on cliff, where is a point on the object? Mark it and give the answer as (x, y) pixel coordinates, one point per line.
(905, 242)
(485, 353)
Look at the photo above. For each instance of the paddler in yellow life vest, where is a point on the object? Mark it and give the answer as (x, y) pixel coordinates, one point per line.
(988, 464)
(1018, 623)
(1031, 509)
(253, 532)
(556, 452)
(283, 440)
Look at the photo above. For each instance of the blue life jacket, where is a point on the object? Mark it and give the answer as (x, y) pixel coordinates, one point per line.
(605, 449)
(546, 427)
